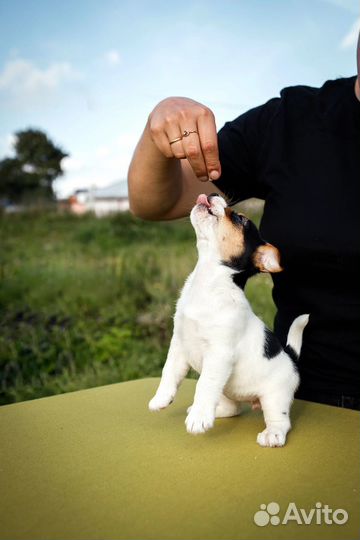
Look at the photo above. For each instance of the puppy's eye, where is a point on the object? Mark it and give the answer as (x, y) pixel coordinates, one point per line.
(239, 220)
(235, 218)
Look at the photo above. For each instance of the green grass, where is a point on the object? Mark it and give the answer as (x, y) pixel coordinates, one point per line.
(88, 301)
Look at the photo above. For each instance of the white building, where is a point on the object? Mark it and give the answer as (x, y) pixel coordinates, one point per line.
(101, 201)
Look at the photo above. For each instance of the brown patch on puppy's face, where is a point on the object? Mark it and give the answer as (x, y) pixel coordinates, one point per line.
(231, 236)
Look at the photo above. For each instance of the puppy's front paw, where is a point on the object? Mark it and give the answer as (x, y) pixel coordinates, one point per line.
(199, 420)
(272, 436)
(160, 401)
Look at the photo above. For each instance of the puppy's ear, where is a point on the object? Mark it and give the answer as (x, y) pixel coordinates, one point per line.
(267, 259)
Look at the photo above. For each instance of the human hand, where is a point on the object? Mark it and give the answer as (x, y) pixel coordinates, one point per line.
(185, 129)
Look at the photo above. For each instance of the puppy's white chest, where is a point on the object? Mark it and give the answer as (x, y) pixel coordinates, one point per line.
(192, 332)
(206, 318)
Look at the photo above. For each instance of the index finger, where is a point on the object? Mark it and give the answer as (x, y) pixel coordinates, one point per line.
(209, 145)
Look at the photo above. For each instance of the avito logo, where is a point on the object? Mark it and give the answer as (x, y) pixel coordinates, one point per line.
(320, 514)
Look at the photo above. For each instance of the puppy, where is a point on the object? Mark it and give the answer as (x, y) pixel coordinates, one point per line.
(217, 334)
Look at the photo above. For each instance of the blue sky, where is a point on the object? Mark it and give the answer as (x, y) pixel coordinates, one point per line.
(89, 72)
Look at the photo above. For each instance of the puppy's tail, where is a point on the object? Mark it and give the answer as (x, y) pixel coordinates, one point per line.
(295, 335)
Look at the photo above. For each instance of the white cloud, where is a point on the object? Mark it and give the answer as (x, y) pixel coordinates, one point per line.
(20, 76)
(113, 57)
(350, 39)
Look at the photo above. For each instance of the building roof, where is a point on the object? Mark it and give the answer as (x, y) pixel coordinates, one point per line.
(113, 191)
(118, 189)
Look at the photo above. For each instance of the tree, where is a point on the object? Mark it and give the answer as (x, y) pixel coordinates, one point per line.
(30, 174)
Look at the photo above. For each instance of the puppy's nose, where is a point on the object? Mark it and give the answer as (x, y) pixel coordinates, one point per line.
(220, 200)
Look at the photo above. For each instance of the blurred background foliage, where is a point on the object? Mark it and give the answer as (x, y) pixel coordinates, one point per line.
(89, 301)
(28, 176)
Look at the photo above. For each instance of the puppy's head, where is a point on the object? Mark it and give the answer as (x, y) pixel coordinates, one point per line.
(232, 237)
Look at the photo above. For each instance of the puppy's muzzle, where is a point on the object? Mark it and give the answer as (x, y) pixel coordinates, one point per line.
(213, 204)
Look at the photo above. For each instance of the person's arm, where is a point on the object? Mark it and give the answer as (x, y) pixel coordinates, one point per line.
(164, 179)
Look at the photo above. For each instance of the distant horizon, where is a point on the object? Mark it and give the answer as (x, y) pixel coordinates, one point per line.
(89, 73)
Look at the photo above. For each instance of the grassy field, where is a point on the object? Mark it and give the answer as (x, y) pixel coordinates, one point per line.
(87, 301)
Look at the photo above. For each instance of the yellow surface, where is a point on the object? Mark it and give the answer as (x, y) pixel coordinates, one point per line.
(96, 464)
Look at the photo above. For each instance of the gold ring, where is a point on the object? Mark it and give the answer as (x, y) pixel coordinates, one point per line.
(185, 133)
(175, 140)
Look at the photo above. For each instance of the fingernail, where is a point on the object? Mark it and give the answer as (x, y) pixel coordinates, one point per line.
(214, 175)
(203, 178)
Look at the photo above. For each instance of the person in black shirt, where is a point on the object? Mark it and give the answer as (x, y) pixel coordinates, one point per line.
(299, 152)
(302, 156)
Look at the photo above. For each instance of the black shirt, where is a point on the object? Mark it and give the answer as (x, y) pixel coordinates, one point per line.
(301, 153)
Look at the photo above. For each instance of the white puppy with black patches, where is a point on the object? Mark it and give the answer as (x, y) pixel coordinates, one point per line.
(217, 333)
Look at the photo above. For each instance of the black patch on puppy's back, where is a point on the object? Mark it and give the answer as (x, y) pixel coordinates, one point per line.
(272, 346)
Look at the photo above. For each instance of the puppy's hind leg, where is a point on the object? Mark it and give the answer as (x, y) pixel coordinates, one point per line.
(173, 373)
(276, 409)
(227, 407)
